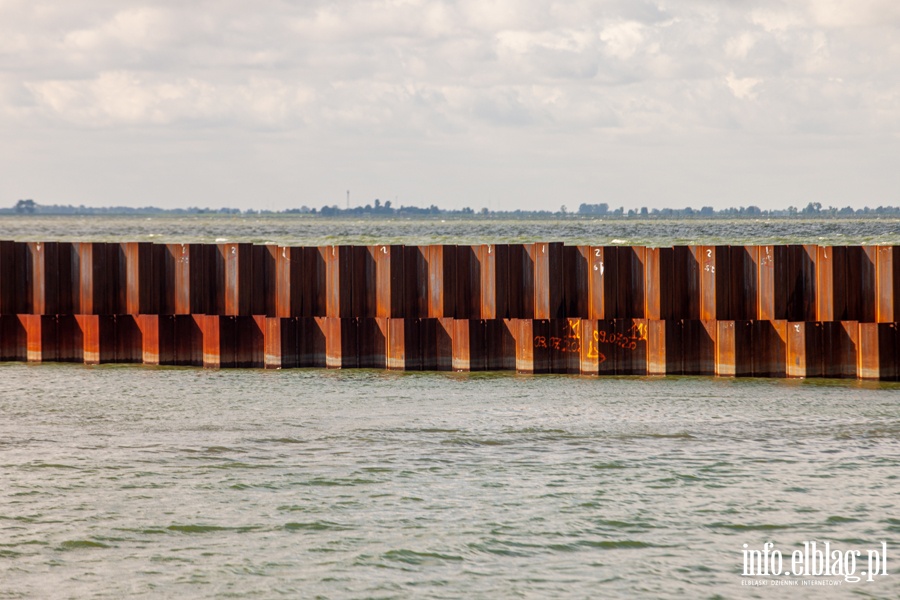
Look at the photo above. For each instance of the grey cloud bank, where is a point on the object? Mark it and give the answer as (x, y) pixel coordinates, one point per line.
(495, 104)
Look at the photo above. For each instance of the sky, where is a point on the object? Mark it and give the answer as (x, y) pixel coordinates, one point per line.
(499, 104)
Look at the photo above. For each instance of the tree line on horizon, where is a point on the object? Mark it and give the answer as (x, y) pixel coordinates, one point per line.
(813, 209)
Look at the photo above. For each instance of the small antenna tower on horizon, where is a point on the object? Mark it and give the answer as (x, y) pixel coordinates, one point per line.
(348, 199)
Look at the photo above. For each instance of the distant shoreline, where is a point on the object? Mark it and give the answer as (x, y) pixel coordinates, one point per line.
(813, 210)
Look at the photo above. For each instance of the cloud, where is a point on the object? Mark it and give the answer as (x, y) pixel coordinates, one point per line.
(456, 76)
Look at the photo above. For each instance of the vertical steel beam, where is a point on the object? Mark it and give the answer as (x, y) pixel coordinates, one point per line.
(13, 338)
(128, 339)
(469, 341)
(189, 270)
(706, 260)
(769, 348)
(700, 337)
(341, 343)
(601, 277)
(533, 345)
(725, 348)
(404, 348)
(70, 339)
(10, 270)
(674, 330)
(188, 340)
(589, 348)
(887, 284)
(548, 268)
(441, 264)
(281, 350)
(311, 343)
(576, 286)
(804, 349)
(157, 338)
(656, 341)
(43, 277)
(41, 337)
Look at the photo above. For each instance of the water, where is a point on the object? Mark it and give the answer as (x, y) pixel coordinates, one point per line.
(153, 482)
(301, 230)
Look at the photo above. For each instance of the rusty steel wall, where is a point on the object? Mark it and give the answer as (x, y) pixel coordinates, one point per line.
(765, 311)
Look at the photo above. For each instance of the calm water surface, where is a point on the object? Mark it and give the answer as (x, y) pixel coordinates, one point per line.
(123, 481)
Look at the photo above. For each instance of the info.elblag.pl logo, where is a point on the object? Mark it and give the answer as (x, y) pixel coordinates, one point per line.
(826, 563)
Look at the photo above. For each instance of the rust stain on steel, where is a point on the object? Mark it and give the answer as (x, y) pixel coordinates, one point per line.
(153, 342)
(138, 270)
(597, 287)
(41, 337)
(825, 291)
(486, 256)
(706, 259)
(281, 343)
(868, 363)
(766, 288)
(404, 344)
(441, 281)
(887, 284)
(631, 357)
(653, 298)
(474, 307)
(468, 344)
(805, 356)
(656, 347)
(589, 350)
(235, 273)
(341, 343)
(189, 279)
(879, 351)
(524, 333)
(532, 347)
(389, 281)
(288, 303)
(725, 348)
(42, 273)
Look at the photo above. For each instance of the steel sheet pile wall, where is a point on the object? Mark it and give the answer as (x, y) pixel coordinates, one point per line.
(769, 311)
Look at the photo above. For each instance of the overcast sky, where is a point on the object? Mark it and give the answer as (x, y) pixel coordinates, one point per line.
(501, 104)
